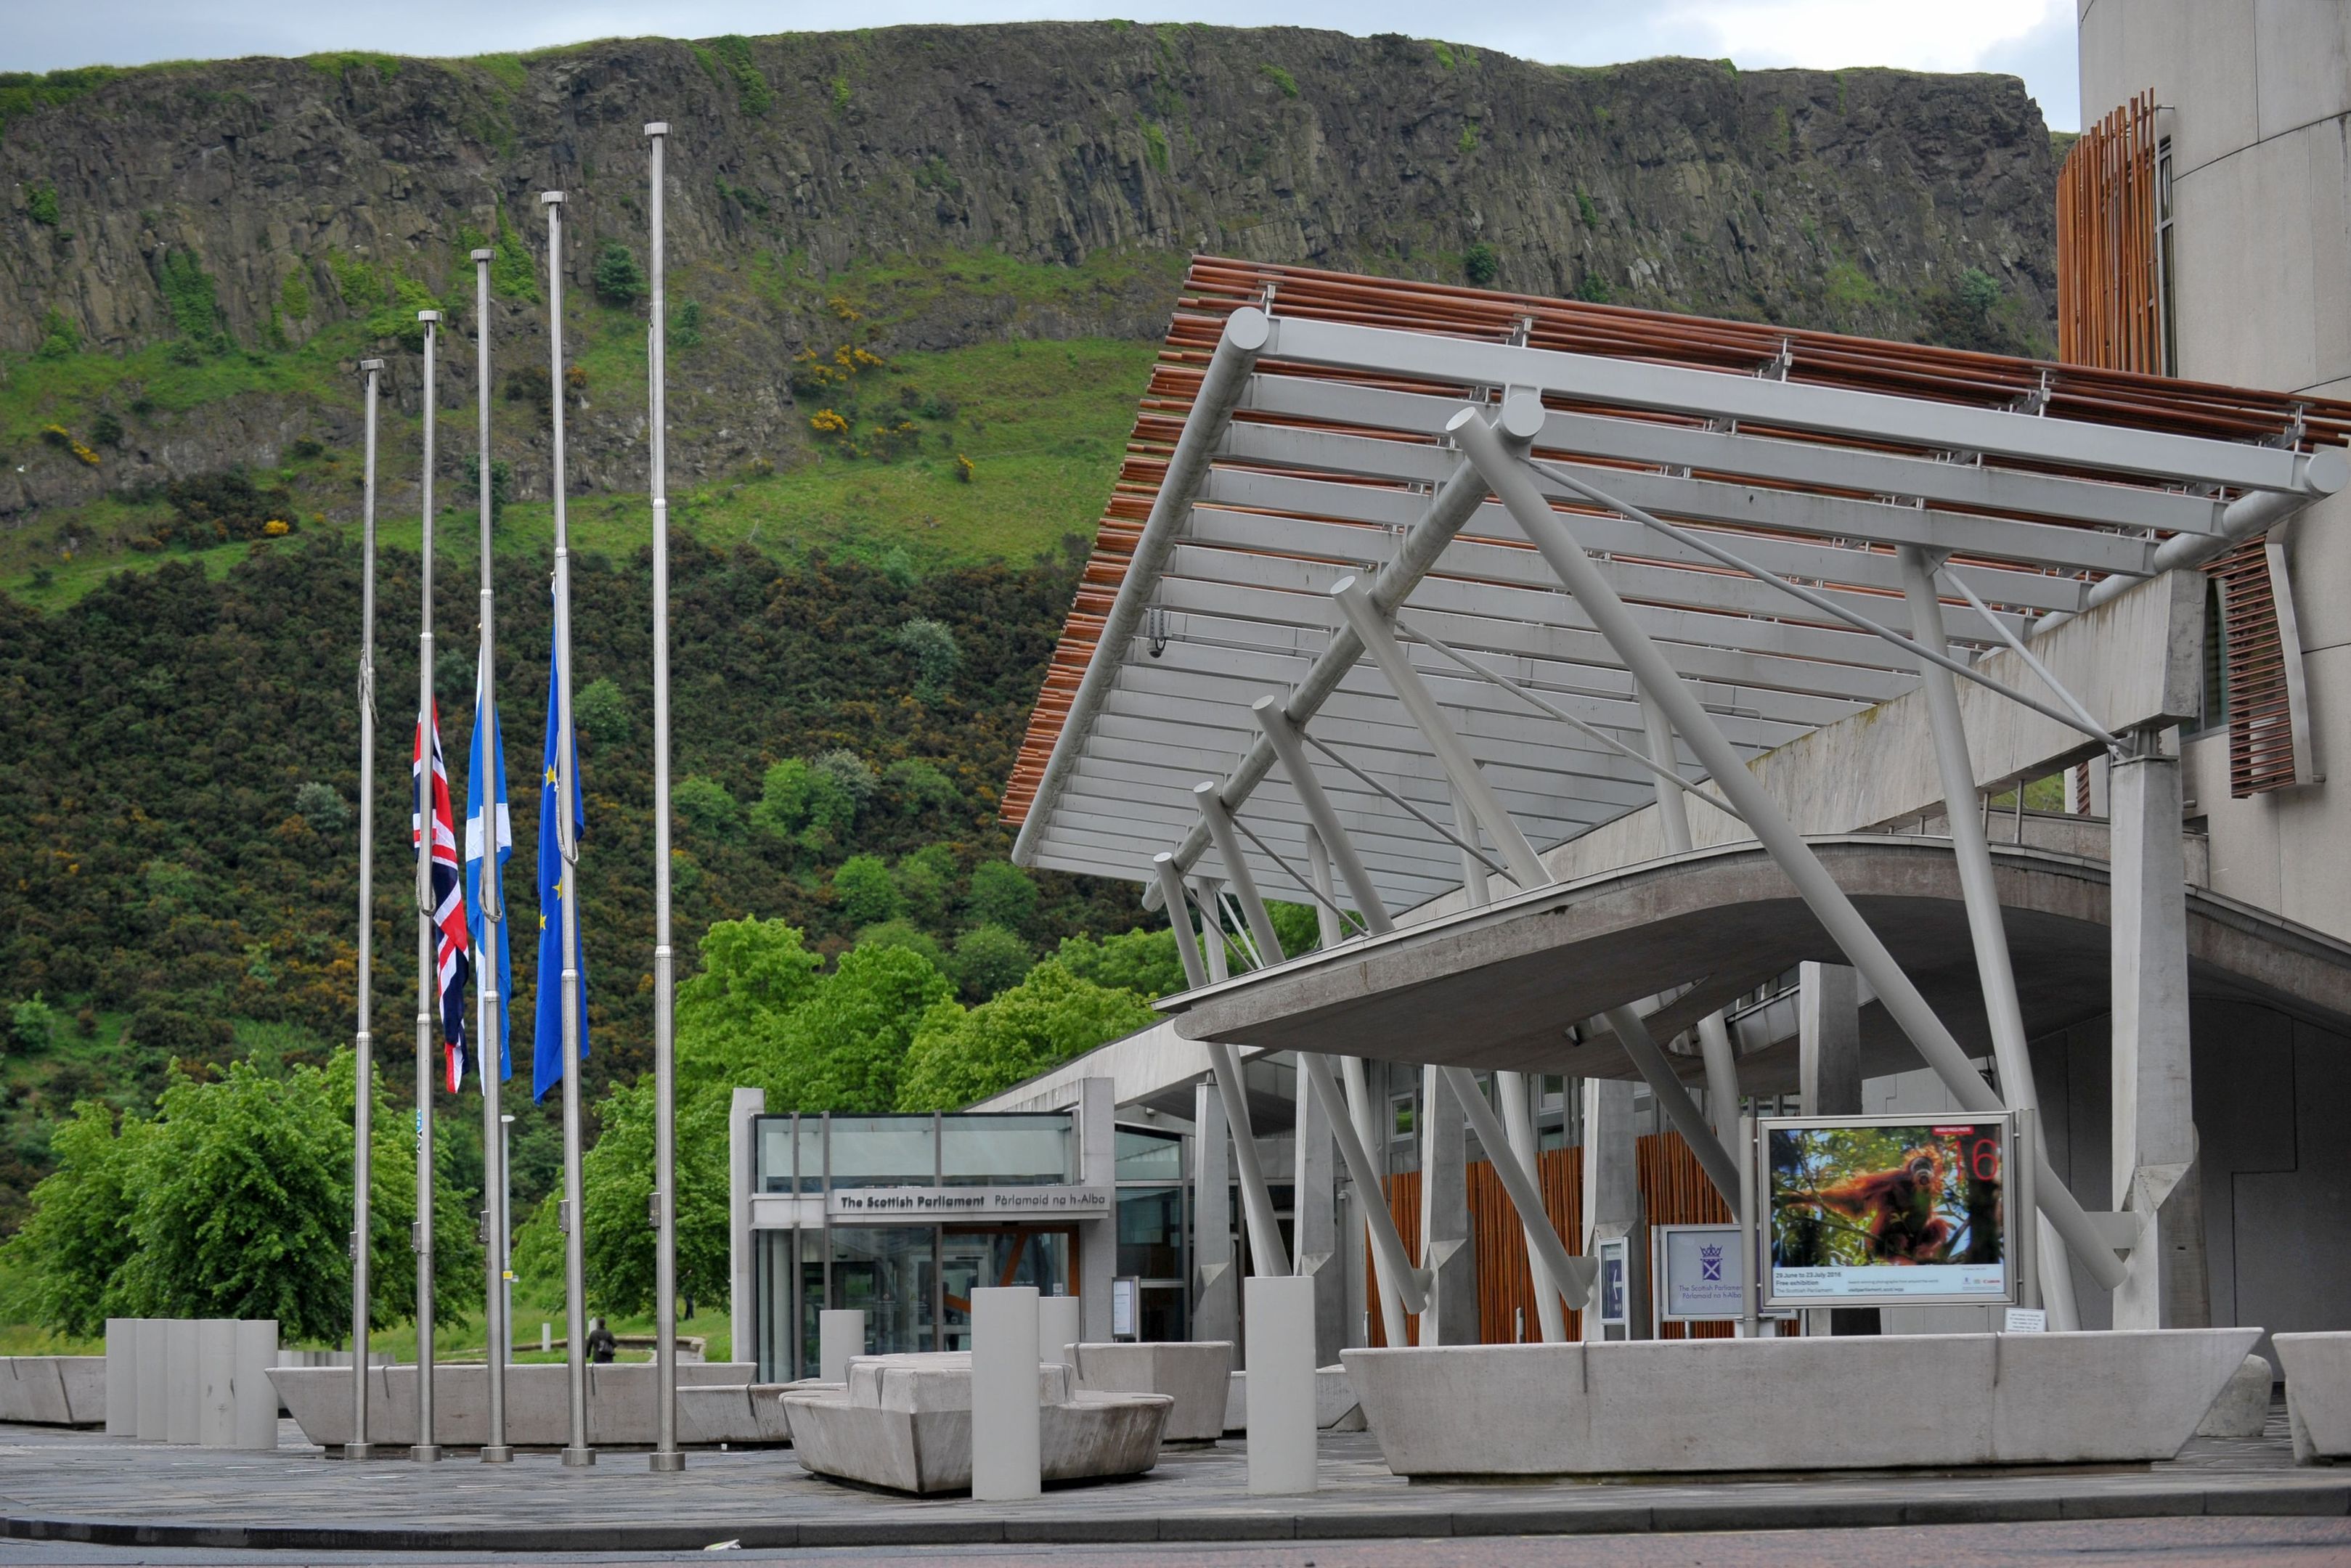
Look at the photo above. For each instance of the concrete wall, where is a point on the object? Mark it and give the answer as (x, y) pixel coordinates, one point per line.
(2259, 94)
(2272, 1097)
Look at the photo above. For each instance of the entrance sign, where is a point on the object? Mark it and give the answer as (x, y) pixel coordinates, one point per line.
(1611, 1291)
(1701, 1274)
(1888, 1211)
(1125, 1303)
(870, 1204)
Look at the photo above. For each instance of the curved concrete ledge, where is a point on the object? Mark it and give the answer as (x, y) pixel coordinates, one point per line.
(905, 1422)
(1194, 1375)
(1653, 1406)
(53, 1390)
(2318, 1368)
(621, 1409)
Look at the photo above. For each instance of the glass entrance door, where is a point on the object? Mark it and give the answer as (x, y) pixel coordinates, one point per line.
(888, 1271)
(1015, 1255)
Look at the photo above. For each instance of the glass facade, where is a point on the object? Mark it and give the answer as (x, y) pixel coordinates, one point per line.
(1004, 1150)
(881, 1151)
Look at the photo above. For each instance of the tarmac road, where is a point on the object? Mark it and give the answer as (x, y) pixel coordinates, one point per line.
(2181, 1542)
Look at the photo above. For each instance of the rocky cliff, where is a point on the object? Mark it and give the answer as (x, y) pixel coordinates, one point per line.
(928, 187)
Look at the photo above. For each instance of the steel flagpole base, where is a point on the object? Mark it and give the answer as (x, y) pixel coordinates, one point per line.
(576, 1459)
(426, 1453)
(666, 1461)
(357, 1450)
(497, 1453)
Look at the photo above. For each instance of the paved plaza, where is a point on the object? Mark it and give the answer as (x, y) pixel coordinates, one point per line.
(71, 1487)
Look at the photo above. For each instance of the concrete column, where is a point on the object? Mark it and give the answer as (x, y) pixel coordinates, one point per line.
(1281, 1367)
(1611, 1198)
(1059, 1324)
(216, 1381)
(1097, 1262)
(1314, 1223)
(154, 1361)
(839, 1335)
(1828, 1023)
(122, 1378)
(183, 1386)
(1215, 1295)
(2154, 1126)
(1828, 1072)
(1006, 1425)
(1445, 1249)
(741, 1162)
(252, 1422)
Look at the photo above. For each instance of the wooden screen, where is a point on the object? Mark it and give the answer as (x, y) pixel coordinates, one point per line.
(2108, 312)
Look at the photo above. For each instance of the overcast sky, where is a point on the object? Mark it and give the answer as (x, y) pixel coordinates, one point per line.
(2030, 39)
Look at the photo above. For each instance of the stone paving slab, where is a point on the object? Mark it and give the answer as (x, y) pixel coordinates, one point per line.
(88, 1487)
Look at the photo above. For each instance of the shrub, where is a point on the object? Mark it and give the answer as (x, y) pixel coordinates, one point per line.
(935, 653)
(41, 205)
(924, 879)
(1282, 80)
(106, 429)
(685, 325)
(988, 960)
(707, 810)
(1478, 263)
(321, 806)
(33, 1024)
(601, 712)
(618, 281)
(863, 891)
(1002, 894)
(60, 339)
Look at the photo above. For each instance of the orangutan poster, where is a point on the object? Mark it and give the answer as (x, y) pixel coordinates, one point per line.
(1887, 1212)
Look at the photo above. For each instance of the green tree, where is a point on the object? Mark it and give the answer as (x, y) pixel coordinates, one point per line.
(1002, 894)
(960, 1055)
(616, 1180)
(754, 973)
(924, 881)
(813, 803)
(79, 1234)
(864, 890)
(988, 958)
(916, 785)
(1479, 265)
(842, 1048)
(707, 809)
(33, 1024)
(619, 279)
(1295, 924)
(601, 712)
(321, 806)
(1143, 962)
(935, 653)
(904, 934)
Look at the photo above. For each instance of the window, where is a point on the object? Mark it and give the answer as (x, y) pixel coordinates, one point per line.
(2166, 316)
(1402, 1116)
(1004, 1150)
(883, 1151)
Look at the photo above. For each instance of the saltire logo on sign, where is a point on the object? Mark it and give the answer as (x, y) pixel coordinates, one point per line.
(448, 894)
(485, 796)
(555, 908)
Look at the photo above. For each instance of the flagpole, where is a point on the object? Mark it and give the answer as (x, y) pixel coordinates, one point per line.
(489, 1038)
(426, 1450)
(575, 1325)
(666, 1455)
(363, 1063)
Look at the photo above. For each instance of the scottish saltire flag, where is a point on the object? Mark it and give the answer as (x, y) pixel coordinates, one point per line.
(448, 891)
(487, 828)
(555, 908)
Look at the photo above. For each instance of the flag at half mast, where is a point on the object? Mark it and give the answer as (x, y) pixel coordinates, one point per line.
(557, 907)
(451, 965)
(486, 824)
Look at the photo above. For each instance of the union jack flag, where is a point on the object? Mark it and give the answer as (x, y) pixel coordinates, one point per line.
(448, 895)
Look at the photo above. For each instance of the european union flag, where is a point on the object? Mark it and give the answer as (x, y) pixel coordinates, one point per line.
(487, 823)
(555, 912)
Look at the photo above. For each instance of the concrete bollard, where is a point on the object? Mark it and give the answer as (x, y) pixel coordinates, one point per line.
(183, 1384)
(254, 1412)
(122, 1378)
(1278, 1320)
(839, 1334)
(1007, 1427)
(216, 1381)
(153, 1338)
(1057, 1327)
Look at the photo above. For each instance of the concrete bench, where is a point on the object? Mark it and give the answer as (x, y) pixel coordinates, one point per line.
(1781, 1404)
(1193, 1373)
(2318, 1368)
(621, 1403)
(905, 1422)
(53, 1390)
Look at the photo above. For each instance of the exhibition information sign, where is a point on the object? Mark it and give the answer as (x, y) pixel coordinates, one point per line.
(1882, 1211)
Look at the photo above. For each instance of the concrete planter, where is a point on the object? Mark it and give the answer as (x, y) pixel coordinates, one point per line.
(1653, 1406)
(2318, 1368)
(1194, 1375)
(621, 1409)
(905, 1422)
(53, 1390)
(1337, 1409)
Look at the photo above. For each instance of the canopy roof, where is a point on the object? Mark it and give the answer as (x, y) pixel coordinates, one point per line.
(1812, 455)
